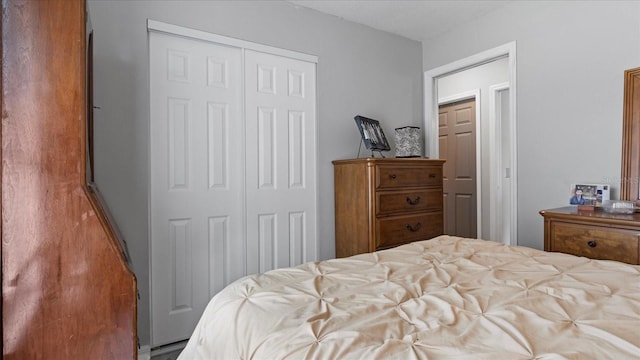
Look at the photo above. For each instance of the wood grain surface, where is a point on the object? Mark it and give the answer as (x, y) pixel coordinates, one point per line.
(67, 291)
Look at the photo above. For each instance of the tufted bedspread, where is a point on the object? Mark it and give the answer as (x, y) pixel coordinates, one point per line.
(442, 298)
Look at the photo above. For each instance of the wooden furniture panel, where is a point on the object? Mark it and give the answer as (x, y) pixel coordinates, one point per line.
(388, 203)
(593, 234)
(67, 289)
(380, 203)
(594, 242)
(402, 176)
(629, 181)
(398, 230)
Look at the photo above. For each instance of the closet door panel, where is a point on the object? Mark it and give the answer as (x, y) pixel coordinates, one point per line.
(197, 192)
(280, 108)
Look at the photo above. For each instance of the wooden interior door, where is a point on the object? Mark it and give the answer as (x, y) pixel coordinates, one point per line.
(457, 142)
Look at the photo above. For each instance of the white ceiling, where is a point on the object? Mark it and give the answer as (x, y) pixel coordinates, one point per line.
(415, 19)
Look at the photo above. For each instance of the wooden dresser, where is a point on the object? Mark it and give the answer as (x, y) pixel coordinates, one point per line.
(593, 234)
(382, 203)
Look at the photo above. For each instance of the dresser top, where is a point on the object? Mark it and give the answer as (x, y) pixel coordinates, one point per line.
(598, 215)
(395, 161)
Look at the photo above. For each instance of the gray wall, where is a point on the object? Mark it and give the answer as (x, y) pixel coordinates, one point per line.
(570, 61)
(360, 71)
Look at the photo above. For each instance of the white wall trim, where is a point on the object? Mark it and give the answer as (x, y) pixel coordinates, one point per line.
(161, 27)
(159, 351)
(431, 111)
(495, 148)
(144, 353)
(473, 94)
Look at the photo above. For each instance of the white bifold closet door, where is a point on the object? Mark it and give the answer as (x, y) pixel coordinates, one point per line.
(281, 161)
(233, 172)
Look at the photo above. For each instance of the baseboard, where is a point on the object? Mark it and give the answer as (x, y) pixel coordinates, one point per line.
(144, 353)
(161, 350)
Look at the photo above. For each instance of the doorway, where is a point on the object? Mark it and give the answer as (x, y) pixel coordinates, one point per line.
(496, 213)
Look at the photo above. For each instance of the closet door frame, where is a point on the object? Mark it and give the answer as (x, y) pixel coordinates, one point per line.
(158, 26)
(174, 30)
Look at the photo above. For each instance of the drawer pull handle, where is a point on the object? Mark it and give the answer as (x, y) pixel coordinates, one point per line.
(414, 229)
(393, 176)
(592, 244)
(413, 202)
(432, 175)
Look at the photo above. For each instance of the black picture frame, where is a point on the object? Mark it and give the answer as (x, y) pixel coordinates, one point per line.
(372, 134)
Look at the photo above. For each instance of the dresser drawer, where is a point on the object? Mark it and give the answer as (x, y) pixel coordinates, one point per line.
(595, 242)
(408, 201)
(390, 176)
(398, 230)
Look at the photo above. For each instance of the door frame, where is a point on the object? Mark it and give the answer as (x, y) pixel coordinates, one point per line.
(176, 30)
(475, 95)
(154, 26)
(431, 112)
(496, 182)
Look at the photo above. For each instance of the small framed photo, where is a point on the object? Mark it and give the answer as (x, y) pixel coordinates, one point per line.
(372, 134)
(589, 194)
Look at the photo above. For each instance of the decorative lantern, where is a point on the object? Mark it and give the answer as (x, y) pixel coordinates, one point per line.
(408, 142)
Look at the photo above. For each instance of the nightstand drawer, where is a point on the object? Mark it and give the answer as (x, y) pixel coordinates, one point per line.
(408, 201)
(595, 242)
(389, 177)
(403, 229)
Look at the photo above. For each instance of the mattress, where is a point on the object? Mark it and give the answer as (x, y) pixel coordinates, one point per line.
(447, 297)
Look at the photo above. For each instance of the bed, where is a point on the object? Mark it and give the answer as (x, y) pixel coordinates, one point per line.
(447, 297)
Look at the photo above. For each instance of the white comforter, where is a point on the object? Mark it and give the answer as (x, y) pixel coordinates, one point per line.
(442, 298)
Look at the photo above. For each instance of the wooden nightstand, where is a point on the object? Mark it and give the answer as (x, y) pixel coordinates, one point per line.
(593, 234)
(382, 203)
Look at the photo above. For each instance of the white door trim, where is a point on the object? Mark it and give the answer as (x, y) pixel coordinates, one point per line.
(431, 111)
(472, 94)
(158, 26)
(495, 149)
